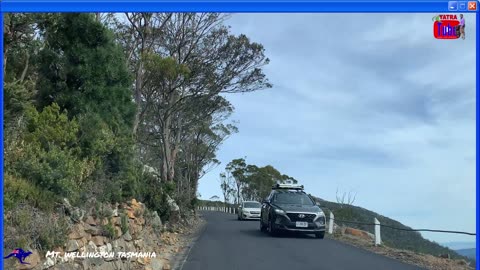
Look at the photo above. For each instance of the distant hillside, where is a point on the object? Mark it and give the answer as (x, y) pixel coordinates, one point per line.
(394, 238)
(468, 252)
(460, 245)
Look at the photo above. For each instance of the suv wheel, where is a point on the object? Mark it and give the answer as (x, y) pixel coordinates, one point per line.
(263, 228)
(271, 227)
(320, 235)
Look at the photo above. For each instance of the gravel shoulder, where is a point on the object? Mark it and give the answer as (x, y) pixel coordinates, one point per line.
(422, 260)
(179, 243)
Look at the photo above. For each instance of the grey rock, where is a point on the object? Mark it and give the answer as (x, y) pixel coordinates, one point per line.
(91, 221)
(172, 204)
(157, 264)
(49, 262)
(127, 236)
(97, 262)
(93, 230)
(156, 222)
(108, 266)
(129, 247)
(151, 171)
(109, 247)
(67, 266)
(119, 265)
(77, 214)
(67, 204)
(138, 243)
(91, 247)
(119, 245)
(92, 263)
(106, 248)
(72, 245)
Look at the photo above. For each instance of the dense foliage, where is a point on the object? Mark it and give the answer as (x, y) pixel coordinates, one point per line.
(115, 107)
(242, 181)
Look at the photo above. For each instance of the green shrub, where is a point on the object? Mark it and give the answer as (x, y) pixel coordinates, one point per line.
(108, 230)
(102, 212)
(51, 156)
(18, 190)
(30, 228)
(124, 223)
(156, 199)
(53, 233)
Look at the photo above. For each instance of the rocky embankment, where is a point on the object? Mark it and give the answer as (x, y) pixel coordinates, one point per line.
(127, 236)
(365, 240)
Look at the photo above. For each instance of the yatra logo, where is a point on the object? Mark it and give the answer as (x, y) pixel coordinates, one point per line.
(448, 26)
(20, 254)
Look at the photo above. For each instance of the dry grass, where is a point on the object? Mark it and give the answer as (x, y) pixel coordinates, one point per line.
(410, 257)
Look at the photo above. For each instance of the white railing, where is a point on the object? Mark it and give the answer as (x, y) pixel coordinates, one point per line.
(378, 239)
(224, 209)
(331, 223)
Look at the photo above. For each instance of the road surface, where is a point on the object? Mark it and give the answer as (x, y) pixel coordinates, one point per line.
(228, 244)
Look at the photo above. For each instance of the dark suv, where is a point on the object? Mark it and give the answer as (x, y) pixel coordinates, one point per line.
(289, 208)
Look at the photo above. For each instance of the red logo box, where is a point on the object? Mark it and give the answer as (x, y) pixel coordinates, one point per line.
(446, 27)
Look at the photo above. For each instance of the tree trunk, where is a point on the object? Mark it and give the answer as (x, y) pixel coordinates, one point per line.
(8, 34)
(138, 98)
(4, 63)
(25, 69)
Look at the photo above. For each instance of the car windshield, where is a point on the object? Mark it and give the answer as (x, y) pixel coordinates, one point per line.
(292, 198)
(251, 205)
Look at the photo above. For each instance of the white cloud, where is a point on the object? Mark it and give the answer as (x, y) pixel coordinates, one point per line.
(359, 103)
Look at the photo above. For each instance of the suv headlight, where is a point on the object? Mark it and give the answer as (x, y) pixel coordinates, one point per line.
(280, 211)
(321, 214)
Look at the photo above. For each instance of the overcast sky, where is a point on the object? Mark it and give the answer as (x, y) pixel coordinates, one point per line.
(369, 103)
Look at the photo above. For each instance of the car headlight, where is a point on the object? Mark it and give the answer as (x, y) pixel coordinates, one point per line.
(246, 212)
(321, 214)
(280, 211)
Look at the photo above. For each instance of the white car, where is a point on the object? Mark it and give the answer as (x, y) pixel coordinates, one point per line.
(249, 210)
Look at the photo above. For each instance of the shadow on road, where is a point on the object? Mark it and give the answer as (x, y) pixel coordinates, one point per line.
(258, 233)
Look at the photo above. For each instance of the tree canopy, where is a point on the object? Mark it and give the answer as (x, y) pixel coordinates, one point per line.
(91, 100)
(242, 181)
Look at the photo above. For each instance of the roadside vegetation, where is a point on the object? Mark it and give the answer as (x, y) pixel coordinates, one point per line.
(112, 107)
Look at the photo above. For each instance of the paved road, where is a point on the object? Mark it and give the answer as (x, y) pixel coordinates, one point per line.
(228, 244)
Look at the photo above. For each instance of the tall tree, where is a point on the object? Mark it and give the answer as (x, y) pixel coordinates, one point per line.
(253, 182)
(238, 168)
(226, 185)
(87, 75)
(138, 33)
(20, 44)
(197, 60)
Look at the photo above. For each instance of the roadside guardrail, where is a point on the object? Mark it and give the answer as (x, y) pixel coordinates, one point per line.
(331, 221)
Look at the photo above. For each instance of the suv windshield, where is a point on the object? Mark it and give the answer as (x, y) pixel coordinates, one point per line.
(292, 198)
(251, 205)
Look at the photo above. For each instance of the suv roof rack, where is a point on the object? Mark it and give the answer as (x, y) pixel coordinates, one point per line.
(287, 185)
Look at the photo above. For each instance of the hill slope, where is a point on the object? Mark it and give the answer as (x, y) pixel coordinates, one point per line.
(468, 252)
(390, 237)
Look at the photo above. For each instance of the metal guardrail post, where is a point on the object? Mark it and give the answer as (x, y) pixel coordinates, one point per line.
(378, 240)
(330, 223)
